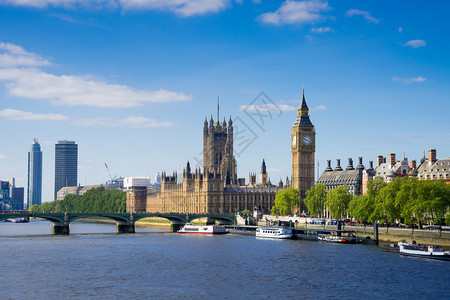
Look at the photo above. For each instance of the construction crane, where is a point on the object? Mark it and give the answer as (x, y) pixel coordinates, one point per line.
(112, 179)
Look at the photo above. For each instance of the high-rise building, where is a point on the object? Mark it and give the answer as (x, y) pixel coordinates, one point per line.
(303, 147)
(66, 165)
(34, 192)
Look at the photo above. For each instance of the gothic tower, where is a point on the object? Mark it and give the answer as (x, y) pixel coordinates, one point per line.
(218, 149)
(303, 147)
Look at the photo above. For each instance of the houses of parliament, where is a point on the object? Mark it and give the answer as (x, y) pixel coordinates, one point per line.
(215, 188)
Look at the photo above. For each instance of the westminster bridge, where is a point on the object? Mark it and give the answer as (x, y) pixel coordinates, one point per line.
(125, 221)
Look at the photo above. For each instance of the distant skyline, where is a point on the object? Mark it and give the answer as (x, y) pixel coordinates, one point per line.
(131, 81)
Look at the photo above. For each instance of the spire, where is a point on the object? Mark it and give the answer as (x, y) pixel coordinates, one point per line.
(303, 105)
(188, 167)
(263, 168)
(303, 113)
(218, 115)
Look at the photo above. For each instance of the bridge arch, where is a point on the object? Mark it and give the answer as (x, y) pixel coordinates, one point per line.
(177, 220)
(223, 219)
(124, 221)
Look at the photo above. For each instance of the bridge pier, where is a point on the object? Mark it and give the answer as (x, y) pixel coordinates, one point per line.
(60, 228)
(176, 226)
(123, 227)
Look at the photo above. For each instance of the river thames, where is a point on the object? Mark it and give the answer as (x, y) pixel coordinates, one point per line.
(95, 263)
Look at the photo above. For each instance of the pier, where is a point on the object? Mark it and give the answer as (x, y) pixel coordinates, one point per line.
(311, 234)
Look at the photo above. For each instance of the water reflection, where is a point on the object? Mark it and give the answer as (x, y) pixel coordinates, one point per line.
(82, 226)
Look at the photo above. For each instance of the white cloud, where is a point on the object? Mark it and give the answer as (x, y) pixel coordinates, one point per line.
(15, 56)
(322, 29)
(61, 3)
(268, 107)
(33, 83)
(365, 14)
(296, 12)
(80, 90)
(416, 43)
(409, 80)
(13, 114)
(133, 121)
(319, 107)
(184, 8)
(400, 29)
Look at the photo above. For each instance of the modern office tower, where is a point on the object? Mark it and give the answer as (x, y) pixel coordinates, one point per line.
(34, 192)
(66, 165)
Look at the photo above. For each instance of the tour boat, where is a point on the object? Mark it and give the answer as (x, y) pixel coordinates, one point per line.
(413, 249)
(274, 232)
(202, 229)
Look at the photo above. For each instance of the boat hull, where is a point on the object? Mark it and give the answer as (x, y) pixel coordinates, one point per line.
(415, 250)
(202, 229)
(439, 257)
(274, 233)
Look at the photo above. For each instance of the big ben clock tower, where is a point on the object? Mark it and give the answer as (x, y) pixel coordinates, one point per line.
(303, 147)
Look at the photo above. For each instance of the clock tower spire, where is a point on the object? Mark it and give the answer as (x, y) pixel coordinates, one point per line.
(303, 147)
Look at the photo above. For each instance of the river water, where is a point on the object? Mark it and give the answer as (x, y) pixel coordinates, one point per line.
(94, 262)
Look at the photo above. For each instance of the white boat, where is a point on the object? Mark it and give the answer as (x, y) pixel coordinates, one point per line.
(17, 220)
(274, 232)
(413, 249)
(202, 229)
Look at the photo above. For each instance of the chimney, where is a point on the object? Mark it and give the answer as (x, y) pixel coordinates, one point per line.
(413, 165)
(350, 165)
(380, 160)
(371, 165)
(328, 169)
(360, 165)
(391, 159)
(338, 167)
(432, 156)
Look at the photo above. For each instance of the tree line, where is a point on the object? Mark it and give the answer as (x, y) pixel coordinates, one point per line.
(94, 200)
(405, 200)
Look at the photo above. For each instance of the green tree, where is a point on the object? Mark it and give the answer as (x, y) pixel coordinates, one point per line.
(315, 200)
(338, 201)
(360, 208)
(285, 201)
(34, 208)
(48, 207)
(373, 210)
(388, 203)
(94, 200)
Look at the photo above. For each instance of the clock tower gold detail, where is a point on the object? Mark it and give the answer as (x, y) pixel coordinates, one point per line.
(303, 149)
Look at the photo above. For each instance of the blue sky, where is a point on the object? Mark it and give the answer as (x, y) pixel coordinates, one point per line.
(131, 81)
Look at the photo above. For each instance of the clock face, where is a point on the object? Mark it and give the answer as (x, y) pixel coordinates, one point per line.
(294, 140)
(306, 140)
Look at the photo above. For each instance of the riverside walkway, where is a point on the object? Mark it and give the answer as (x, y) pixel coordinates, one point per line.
(125, 221)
